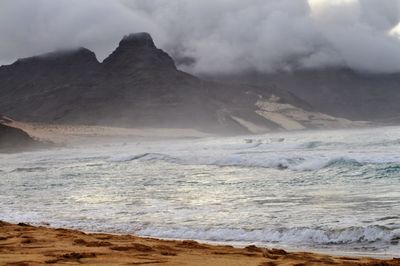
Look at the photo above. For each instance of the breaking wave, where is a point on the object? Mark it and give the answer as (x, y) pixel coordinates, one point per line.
(246, 160)
(312, 236)
(145, 156)
(30, 169)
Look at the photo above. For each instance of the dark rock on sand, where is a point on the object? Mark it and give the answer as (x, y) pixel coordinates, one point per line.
(14, 139)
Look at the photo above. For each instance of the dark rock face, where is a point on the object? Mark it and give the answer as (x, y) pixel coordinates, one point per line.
(138, 85)
(13, 139)
(142, 39)
(41, 88)
(63, 63)
(138, 52)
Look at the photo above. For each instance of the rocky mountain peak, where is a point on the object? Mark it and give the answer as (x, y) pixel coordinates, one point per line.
(138, 51)
(142, 39)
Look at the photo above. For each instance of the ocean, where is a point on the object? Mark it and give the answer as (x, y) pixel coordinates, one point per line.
(334, 191)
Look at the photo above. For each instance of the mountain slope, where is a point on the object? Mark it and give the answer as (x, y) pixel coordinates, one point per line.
(138, 85)
(338, 91)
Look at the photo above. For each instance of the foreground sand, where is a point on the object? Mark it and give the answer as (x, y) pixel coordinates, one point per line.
(27, 245)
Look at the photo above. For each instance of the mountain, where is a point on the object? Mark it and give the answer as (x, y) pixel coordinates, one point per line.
(138, 85)
(338, 92)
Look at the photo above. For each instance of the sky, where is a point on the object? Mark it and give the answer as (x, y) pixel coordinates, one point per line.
(219, 36)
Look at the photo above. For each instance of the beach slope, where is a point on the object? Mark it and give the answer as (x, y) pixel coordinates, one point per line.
(23, 244)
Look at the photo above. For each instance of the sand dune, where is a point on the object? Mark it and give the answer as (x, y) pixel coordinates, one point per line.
(291, 117)
(23, 245)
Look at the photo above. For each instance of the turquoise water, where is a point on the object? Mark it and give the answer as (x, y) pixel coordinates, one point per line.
(331, 190)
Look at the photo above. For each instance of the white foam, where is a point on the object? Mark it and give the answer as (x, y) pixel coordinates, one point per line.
(354, 235)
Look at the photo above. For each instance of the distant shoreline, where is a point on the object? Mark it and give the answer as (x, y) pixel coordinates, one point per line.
(29, 245)
(78, 134)
(65, 134)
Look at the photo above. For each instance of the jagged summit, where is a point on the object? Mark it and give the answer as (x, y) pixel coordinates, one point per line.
(135, 51)
(142, 39)
(138, 51)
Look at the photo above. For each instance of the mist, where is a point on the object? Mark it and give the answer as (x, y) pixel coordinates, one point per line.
(225, 36)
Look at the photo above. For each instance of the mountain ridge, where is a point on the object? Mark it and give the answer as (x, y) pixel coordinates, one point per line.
(137, 85)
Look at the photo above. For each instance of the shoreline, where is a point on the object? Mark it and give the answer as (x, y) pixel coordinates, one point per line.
(64, 134)
(234, 244)
(23, 244)
(289, 249)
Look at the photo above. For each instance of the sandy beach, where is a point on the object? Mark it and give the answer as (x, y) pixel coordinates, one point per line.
(78, 134)
(24, 245)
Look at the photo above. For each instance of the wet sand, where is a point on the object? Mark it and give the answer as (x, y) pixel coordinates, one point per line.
(23, 245)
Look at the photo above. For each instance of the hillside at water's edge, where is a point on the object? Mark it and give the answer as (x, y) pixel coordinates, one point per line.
(14, 139)
(138, 85)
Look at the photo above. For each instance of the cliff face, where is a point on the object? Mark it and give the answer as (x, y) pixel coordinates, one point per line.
(138, 85)
(42, 88)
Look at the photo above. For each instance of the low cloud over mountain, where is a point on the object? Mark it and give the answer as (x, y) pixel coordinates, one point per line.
(226, 36)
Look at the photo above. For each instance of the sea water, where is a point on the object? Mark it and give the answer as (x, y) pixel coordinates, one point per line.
(336, 191)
